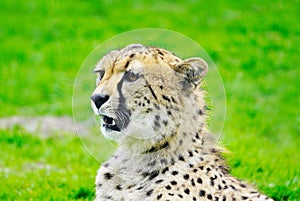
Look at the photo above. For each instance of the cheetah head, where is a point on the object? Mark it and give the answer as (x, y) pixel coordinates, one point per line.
(140, 93)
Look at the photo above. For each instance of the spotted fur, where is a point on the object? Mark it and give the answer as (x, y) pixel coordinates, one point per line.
(152, 106)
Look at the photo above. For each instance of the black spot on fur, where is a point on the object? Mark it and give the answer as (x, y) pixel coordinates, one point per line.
(118, 187)
(149, 110)
(159, 181)
(213, 150)
(243, 185)
(209, 196)
(149, 192)
(174, 173)
(165, 145)
(129, 187)
(153, 174)
(202, 193)
(108, 175)
(168, 187)
(161, 53)
(232, 187)
(187, 191)
(200, 112)
(158, 196)
(186, 176)
(199, 180)
(165, 170)
(180, 157)
(166, 98)
(173, 182)
(179, 195)
(152, 149)
(173, 99)
(192, 182)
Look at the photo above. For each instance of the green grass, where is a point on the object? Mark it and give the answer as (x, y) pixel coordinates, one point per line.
(56, 168)
(254, 44)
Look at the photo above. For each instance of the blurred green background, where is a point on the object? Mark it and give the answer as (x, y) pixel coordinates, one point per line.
(255, 45)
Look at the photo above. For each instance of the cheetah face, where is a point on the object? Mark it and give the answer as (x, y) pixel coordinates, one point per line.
(129, 103)
(138, 93)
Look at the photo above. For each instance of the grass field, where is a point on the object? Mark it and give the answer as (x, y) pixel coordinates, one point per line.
(254, 44)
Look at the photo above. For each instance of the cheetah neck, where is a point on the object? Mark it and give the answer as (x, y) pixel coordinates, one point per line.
(192, 140)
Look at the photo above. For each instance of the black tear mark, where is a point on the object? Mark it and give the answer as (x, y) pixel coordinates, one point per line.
(122, 108)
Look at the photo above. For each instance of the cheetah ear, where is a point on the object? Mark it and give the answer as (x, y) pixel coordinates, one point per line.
(193, 70)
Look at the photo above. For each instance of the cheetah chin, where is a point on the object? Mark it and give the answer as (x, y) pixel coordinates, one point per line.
(152, 104)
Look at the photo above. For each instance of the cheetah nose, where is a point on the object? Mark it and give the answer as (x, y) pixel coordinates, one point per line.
(99, 100)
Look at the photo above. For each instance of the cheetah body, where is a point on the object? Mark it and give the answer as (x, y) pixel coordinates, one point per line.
(155, 110)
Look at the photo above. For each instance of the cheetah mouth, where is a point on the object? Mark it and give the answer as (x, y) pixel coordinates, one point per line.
(110, 123)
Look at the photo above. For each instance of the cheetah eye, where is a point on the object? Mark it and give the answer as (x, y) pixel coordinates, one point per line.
(131, 76)
(100, 76)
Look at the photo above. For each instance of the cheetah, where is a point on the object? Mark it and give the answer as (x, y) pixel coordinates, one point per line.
(151, 104)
